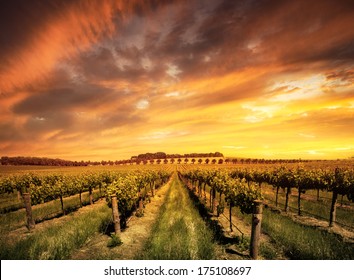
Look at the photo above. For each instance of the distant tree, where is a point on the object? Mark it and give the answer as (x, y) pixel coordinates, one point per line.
(193, 160)
(145, 161)
(207, 161)
(227, 161)
(200, 161)
(172, 160)
(221, 161)
(213, 161)
(179, 160)
(217, 154)
(158, 161)
(165, 161)
(234, 161)
(152, 161)
(186, 160)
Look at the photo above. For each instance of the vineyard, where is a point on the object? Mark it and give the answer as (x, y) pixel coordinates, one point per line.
(243, 211)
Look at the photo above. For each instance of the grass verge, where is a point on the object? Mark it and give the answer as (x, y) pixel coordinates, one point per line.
(41, 212)
(58, 241)
(305, 242)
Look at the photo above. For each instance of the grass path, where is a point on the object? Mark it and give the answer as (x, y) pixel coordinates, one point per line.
(179, 232)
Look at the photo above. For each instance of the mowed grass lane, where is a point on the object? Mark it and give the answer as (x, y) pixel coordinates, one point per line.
(179, 232)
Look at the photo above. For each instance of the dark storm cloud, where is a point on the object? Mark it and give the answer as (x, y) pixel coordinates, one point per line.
(64, 99)
(275, 31)
(103, 65)
(232, 34)
(47, 122)
(9, 132)
(302, 31)
(21, 19)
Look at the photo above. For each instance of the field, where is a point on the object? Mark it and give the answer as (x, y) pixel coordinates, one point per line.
(177, 211)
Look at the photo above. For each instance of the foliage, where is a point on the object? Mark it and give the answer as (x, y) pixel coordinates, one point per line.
(237, 191)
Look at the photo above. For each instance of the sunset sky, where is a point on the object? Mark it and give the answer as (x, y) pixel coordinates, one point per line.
(94, 80)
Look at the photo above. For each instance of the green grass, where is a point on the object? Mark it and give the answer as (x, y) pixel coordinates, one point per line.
(10, 202)
(16, 219)
(266, 250)
(179, 233)
(58, 241)
(305, 242)
(298, 241)
(318, 208)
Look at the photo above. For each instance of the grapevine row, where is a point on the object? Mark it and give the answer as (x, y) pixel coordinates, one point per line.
(130, 187)
(234, 191)
(242, 186)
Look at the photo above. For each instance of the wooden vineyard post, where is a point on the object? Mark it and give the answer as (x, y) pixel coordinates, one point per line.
(30, 220)
(276, 197)
(332, 216)
(91, 196)
(288, 191)
(256, 229)
(115, 213)
(299, 202)
(230, 212)
(153, 189)
(80, 197)
(214, 206)
(141, 204)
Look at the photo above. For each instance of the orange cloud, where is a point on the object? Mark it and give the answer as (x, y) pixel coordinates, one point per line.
(109, 79)
(69, 28)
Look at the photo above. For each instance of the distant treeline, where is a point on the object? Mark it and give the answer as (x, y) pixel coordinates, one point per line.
(56, 161)
(39, 161)
(21, 160)
(148, 158)
(161, 155)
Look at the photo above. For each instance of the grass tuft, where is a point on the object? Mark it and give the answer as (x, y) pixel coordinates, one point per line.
(114, 241)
